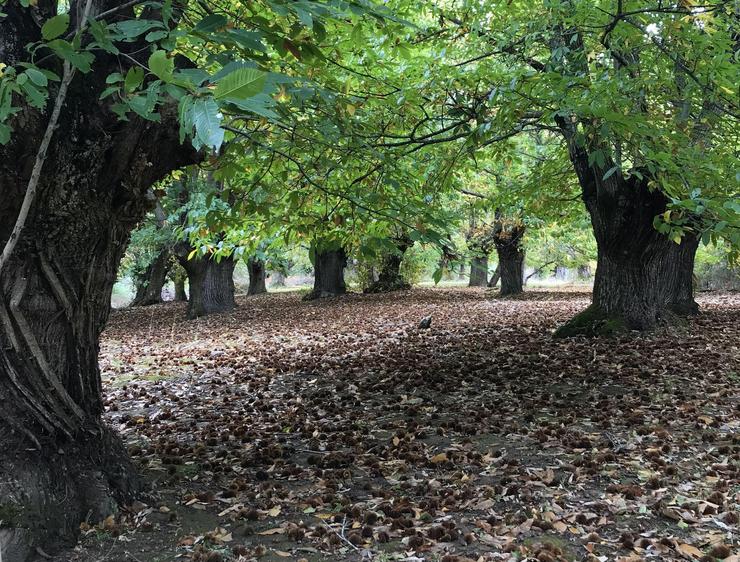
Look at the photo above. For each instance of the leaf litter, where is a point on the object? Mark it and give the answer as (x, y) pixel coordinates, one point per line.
(339, 430)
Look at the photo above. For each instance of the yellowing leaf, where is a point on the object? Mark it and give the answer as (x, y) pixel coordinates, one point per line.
(441, 457)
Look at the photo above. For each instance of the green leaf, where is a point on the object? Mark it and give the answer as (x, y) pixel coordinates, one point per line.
(54, 27)
(437, 275)
(134, 77)
(101, 34)
(5, 131)
(131, 29)
(35, 97)
(210, 23)
(259, 105)
(610, 172)
(240, 84)
(161, 65)
(153, 36)
(206, 119)
(37, 77)
(82, 61)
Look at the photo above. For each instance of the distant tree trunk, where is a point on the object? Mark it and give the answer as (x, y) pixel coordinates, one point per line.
(59, 462)
(328, 274)
(211, 285)
(149, 286)
(180, 294)
(277, 279)
(478, 272)
(257, 275)
(561, 273)
(495, 277)
(508, 242)
(389, 278)
(584, 272)
(461, 271)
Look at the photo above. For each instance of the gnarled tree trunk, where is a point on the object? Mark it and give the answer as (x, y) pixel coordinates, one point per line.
(149, 286)
(328, 274)
(390, 278)
(508, 242)
(59, 462)
(478, 272)
(211, 284)
(257, 276)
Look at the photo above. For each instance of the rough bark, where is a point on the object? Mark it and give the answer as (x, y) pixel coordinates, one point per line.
(59, 462)
(390, 278)
(478, 272)
(328, 274)
(211, 285)
(508, 242)
(257, 276)
(680, 277)
(150, 284)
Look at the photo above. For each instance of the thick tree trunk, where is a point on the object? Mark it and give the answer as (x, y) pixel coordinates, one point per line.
(178, 275)
(59, 462)
(257, 276)
(211, 285)
(508, 241)
(149, 286)
(328, 274)
(390, 278)
(642, 278)
(495, 277)
(478, 272)
(680, 277)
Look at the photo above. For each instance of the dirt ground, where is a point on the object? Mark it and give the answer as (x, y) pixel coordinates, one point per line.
(339, 430)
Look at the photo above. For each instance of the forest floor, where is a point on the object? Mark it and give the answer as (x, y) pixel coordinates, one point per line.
(339, 430)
